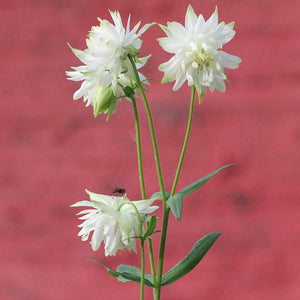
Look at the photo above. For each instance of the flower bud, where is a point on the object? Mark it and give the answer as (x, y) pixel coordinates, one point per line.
(103, 99)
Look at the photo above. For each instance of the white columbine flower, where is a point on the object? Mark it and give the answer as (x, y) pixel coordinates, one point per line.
(197, 58)
(113, 223)
(105, 60)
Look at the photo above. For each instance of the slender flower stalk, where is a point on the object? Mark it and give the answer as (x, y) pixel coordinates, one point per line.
(158, 167)
(162, 252)
(162, 188)
(188, 130)
(139, 148)
(151, 257)
(166, 208)
(167, 211)
(142, 183)
(142, 289)
(142, 240)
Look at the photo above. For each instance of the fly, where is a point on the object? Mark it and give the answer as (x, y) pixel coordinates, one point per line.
(119, 191)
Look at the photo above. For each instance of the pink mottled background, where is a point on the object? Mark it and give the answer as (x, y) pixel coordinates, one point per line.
(52, 149)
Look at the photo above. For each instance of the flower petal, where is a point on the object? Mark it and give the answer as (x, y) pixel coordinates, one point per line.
(190, 18)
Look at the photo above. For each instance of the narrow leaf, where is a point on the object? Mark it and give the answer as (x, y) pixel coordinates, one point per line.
(108, 269)
(176, 204)
(197, 184)
(126, 273)
(158, 195)
(131, 273)
(191, 260)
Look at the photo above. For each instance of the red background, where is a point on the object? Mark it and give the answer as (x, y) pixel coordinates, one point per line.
(52, 149)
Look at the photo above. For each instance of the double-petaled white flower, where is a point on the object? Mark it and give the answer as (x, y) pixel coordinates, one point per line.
(106, 63)
(112, 221)
(197, 58)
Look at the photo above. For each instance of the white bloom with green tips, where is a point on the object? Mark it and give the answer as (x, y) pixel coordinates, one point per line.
(112, 221)
(198, 58)
(105, 61)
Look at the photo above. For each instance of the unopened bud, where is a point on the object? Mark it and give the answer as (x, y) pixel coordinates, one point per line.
(103, 99)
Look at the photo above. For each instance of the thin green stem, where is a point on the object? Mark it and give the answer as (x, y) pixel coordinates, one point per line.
(162, 252)
(139, 148)
(158, 167)
(160, 179)
(187, 134)
(142, 269)
(167, 211)
(142, 182)
(151, 257)
(141, 232)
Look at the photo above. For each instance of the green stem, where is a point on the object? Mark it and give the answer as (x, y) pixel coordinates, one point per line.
(162, 252)
(139, 148)
(142, 269)
(158, 167)
(167, 210)
(151, 257)
(142, 182)
(160, 179)
(185, 141)
(141, 232)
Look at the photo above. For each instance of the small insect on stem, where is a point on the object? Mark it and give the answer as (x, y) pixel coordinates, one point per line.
(118, 190)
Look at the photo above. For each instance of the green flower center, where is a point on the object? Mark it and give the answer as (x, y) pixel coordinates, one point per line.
(203, 60)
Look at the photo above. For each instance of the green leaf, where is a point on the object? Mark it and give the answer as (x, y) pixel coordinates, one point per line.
(176, 201)
(197, 184)
(176, 204)
(191, 260)
(131, 273)
(126, 273)
(158, 195)
(108, 269)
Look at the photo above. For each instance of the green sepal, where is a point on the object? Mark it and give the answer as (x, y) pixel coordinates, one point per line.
(191, 260)
(126, 273)
(128, 91)
(143, 218)
(201, 96)
(176, 202)
(151, 226)
(131, 273)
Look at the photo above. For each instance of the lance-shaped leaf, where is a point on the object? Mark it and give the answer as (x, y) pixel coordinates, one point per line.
(197, 184)
(176, 202)
(131, 273)
(191, 260)
(126, 273)
(108, 269)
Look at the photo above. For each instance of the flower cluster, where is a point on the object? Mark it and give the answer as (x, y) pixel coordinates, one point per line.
(107, 70)
(197, 58)
(112, 220)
